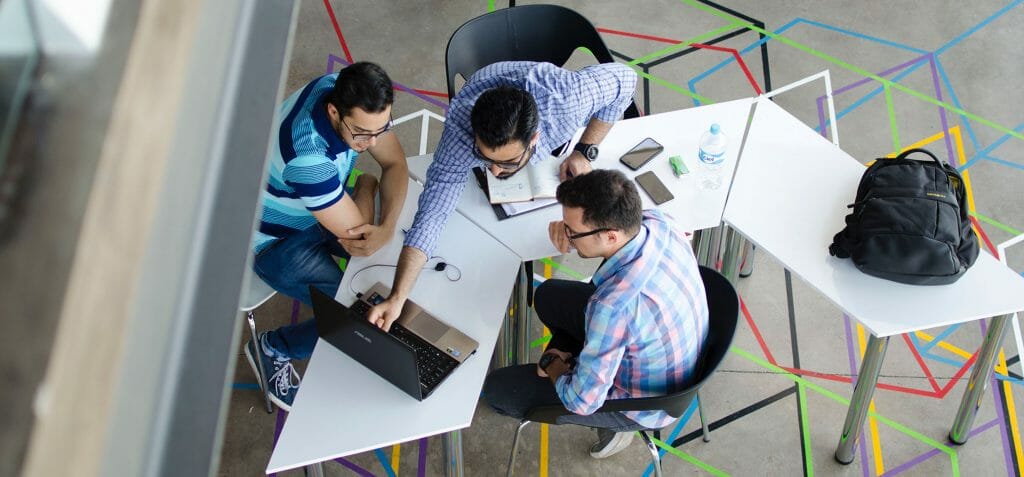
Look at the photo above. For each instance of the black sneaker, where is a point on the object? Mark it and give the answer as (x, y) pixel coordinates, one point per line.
(282, 379)
(610, 443)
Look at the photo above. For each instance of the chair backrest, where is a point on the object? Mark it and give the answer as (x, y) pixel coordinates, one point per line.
(547, 33)
(723, 315)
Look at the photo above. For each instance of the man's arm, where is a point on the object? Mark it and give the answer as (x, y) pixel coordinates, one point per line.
(446, 179)
(586, 389)
(611, 85)
(394, 183)
(576, 164)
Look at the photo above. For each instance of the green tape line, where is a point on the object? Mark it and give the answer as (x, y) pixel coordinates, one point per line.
(689, 458)
(562, 268)
(805, 429)
(892, 119)
(993, 222)
(835, 397)
(540, 341)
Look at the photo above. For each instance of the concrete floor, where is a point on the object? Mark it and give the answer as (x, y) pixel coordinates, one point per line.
(763, 424)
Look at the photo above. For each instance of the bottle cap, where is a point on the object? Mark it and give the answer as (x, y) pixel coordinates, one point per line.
(715, 128)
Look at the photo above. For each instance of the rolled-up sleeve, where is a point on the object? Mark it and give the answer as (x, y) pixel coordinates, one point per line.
(585, 389)
(612, 86)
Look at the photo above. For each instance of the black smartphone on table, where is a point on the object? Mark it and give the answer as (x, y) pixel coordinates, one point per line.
(653, 186)
(641, 153)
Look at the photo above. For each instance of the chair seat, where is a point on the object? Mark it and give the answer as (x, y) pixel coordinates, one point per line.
(256, 294)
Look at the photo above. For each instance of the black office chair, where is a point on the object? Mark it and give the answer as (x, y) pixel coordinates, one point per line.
(723, 309)
(547, 33)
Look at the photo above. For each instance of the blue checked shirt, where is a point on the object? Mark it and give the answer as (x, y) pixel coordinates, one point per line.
(566, 100)
(645, 324)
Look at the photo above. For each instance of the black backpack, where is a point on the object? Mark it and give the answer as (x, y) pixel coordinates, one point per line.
(909, 223)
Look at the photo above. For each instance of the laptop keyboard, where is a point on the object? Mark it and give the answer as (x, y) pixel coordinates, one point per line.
(433, 365)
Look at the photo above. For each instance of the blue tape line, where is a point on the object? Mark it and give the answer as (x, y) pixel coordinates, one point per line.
(983, 153)
(384, 462)
(975, 28)
(940, 337)
(675, 433)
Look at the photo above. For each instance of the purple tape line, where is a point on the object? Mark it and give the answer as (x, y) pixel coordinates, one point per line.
(934, 452)
(421, 469)
(942, 111)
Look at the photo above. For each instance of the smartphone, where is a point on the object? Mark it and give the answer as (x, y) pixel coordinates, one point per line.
(641, 153)
(653, 186)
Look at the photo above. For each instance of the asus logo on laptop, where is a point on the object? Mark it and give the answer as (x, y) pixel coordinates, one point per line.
(362, 336)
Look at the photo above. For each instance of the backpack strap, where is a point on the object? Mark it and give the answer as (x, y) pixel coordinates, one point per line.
(904, 154)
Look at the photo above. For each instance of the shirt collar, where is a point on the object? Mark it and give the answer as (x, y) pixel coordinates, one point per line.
(626, 255)
(322, 123)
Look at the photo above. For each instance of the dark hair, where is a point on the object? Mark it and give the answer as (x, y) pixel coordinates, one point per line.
(364, 85)
(608, 199)
(504, 114)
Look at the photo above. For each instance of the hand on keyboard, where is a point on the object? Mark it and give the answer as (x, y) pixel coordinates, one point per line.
(384, 314)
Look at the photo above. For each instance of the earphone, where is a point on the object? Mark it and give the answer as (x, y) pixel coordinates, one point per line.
(451, 272)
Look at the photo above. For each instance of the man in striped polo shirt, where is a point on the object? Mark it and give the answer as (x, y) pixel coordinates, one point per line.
(636, 330)
(309, 216)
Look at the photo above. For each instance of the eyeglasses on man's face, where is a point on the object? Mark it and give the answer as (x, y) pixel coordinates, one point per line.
(367, 137)
(510, 165)
(574, 236)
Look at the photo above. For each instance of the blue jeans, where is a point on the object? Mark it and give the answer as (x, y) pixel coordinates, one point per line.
(291, 265)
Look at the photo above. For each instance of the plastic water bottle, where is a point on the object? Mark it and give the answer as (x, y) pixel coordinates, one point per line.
(711, 154)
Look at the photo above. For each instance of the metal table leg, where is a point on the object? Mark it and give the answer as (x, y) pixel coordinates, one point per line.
(861, 400)
(980, 377)
(513, 345)
(747, 261)
(731, 254)
(315, 470)
(452, 443)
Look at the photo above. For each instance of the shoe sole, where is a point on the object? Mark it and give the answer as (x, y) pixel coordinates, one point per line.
(618, 443)
(273, 399)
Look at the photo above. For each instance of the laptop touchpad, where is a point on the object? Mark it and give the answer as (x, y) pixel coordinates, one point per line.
(428, 328)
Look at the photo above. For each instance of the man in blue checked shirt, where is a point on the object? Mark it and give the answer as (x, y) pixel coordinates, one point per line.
(309, 216)
(635, 331)
(508, 115)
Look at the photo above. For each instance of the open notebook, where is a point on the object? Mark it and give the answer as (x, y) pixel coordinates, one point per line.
(530, 189)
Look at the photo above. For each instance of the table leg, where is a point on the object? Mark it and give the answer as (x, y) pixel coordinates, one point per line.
(452, 443)
(747, 260)
(525, 283)
(707, 245)
(315, 470)
(861, 400)
(731, 254)
(980, 377)
(513, 345)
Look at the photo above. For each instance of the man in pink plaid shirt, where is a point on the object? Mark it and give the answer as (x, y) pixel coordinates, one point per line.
(635, 331)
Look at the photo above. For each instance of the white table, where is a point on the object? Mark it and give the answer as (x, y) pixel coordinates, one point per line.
(789, 197)
(692, 207)
(679, 131)
(343, 408)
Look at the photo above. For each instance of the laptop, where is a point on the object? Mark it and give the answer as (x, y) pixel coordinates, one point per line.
(417, 355)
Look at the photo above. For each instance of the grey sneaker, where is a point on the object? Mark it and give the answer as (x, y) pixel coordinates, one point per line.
(610, 443)
(282, 378)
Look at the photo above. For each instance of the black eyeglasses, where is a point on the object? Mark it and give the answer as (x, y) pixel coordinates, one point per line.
(572, 237)
(366, 137)
(513, 165)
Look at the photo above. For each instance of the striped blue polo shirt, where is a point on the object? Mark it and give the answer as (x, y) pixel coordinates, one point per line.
(309, 165)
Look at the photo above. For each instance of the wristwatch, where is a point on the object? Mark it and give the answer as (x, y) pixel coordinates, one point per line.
(589, 151)
(546, 360)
